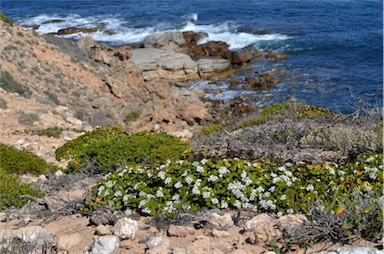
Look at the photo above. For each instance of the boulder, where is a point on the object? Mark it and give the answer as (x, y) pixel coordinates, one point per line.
(212, 65)
(36, 236)
(105, 245)
(221, 221)
(241, 56)
(125, 228)
(168, 40)
(351, 250)
(192, 38)
(158, 242)
(216, 49)
(263, 81)
(263, 228)
(180, 231)
(163, 64)
(76, 30)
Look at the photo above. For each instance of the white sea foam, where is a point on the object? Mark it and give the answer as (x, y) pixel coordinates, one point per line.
(117, 31)
(190, 17)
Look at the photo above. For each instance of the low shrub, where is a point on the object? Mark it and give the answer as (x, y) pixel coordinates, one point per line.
(11, 188)
(28, 118)
(5, 19)
(282, 111)
(110, 147)
(22, 161)
(212, 128)
(236, 183)
(9, 84)
(133, 116)
(54, 132)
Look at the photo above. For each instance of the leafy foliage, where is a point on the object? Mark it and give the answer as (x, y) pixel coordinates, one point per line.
(259, 185)
(21, 162)
(206, 130)
(11, 188)
(280, 111)
(5, 19)
(9, 84)
(54, 132)
(133, 116)
(110, 147)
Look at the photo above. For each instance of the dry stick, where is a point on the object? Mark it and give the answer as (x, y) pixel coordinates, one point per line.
(41, 201)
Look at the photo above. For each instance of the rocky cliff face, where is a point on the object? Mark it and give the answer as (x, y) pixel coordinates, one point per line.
(55, 83)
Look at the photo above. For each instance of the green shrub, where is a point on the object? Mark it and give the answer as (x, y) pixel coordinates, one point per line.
(28, 118)
(5, 19)
(133, 116)
(54, 132)
(11, 188)
(236, 183)
(20, 162)
(9, 84)
(282, 111)
(212, 128)
(109, 147)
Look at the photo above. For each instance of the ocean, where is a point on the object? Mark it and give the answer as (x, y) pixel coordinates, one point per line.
(334, 47)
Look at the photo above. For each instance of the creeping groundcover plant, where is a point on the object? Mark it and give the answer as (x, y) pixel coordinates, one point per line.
(236, 183)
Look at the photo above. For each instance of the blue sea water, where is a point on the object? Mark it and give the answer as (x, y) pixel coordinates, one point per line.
(335, 47)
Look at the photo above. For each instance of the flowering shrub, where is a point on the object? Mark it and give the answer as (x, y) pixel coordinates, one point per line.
(235, 183)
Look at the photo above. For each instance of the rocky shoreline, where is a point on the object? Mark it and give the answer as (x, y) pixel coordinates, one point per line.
(54, 83)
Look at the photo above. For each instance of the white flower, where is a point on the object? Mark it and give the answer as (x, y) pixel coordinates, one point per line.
(195, 163)
(159, 193)
(279, 214)
(181, 162)
(272, 189)
(178, 185)
(288, 164)
(290, 211)
(237, 204)
(141, 170)
(282, 168)
(331, 170)
(248, 181)
(214, 201)
(243, 174)
(149, 175)
(106, 193)
(146, 210)
(101, 188)
(310, 188)
(369, 159)
(161, 175)
(118, 194)
(142, 203)
(168, 180)
(184, 173)
(109, 184)
(260, 189)
(167, 162)
(196, 190)
(223, 204)
(206, 194)
(176, 197)
(255, 165)
(283, 197)
(212, 178)
(125, 198)
(203, 161)
(200, 169)
(188, 180)
(223, 170)
(267, 194)
(341, 172)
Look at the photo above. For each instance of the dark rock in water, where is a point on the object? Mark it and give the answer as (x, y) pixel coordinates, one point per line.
(75, 30)
(192, 38)
(53, 21)
(241, 56)
(263, 81)
(233, 83)
(217, 49)
(275, 56)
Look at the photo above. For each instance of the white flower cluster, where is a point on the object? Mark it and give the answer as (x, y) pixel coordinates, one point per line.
(372, 172)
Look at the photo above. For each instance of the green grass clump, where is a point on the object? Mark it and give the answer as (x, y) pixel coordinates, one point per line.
(54, 132)
(11, 188)
(212, 128)
(262, 185)
(21, 162)
(281, 111)
(133, 116)
(109, 147)
(9, 84)
(5, 19)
